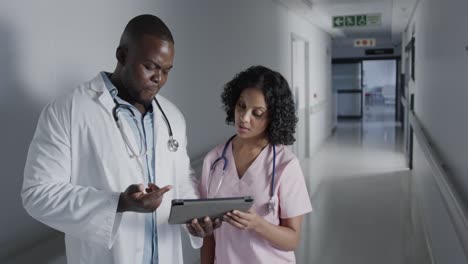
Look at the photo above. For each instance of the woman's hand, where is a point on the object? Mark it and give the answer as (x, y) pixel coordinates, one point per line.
(203, 229)
(285, 236)
(245, 221)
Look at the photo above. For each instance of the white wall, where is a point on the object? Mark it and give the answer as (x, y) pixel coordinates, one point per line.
(49, 47)
(224, 38)
(440, 104)
(441, 79)
(322, 106)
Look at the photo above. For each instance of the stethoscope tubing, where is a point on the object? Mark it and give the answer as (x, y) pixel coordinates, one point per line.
(225, 162)
(172, 144)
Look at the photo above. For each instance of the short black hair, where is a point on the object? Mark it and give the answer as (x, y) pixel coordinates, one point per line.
(278, 97)
(142, 25)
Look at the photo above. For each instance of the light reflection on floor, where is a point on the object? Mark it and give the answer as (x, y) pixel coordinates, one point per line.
(358, 183)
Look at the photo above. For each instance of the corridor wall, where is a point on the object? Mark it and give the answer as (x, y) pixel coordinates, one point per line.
(439, 89)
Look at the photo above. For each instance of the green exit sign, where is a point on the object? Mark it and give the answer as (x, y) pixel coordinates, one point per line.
(357, 20)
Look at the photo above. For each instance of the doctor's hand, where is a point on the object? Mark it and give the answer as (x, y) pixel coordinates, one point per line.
(137, 198)
(245, 221)
(204, 228)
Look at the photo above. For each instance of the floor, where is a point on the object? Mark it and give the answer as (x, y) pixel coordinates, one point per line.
(358, 184)
(361, 202)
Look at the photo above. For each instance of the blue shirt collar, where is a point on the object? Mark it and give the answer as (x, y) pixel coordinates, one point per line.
(114, 92)
(109, 85)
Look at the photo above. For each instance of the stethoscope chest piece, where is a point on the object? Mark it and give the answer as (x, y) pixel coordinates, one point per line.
(172, 144)
(272, 204)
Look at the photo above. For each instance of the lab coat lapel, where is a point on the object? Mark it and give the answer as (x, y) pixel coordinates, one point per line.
(160, 138)
(165, 175)
(105, 99)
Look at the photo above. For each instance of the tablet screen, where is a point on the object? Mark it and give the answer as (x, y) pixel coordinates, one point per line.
(184, 211)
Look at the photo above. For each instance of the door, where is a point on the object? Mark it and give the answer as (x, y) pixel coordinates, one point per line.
(299, 86)
(348, 86)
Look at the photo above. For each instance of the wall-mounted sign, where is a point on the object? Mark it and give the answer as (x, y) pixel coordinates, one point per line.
(367, 42)
(379, 51)
(357, 20)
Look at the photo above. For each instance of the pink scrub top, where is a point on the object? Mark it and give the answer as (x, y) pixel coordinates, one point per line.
(245, 246)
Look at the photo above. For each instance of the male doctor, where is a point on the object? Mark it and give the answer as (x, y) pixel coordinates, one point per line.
(103, 158)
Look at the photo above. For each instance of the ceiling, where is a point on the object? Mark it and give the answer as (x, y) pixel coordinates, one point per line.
(395, 15)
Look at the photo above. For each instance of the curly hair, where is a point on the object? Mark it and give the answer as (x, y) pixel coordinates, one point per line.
(278, 97)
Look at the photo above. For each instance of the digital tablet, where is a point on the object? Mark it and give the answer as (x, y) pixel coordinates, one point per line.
(184, 211)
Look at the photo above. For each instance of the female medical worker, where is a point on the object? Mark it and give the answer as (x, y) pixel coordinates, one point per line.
(256, 162)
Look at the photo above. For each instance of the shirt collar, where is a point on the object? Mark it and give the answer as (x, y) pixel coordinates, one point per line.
(109, 85)
(114, 92)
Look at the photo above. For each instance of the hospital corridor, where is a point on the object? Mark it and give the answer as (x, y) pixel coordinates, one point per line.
(362, 204)
(379, 89)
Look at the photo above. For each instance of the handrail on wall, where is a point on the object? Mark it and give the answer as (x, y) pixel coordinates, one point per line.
(457, 211)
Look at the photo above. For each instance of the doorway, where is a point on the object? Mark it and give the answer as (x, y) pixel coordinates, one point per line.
(379, 85)
(366, 86)
(347, 82)
(300, 90)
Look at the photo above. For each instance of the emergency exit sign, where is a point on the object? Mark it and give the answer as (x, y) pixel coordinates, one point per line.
(357, 20)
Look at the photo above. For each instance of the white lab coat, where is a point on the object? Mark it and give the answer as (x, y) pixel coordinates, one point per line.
(77, 166)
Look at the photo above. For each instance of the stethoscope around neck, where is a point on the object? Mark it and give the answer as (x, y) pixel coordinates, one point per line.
(271, 201)
(172, 144)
